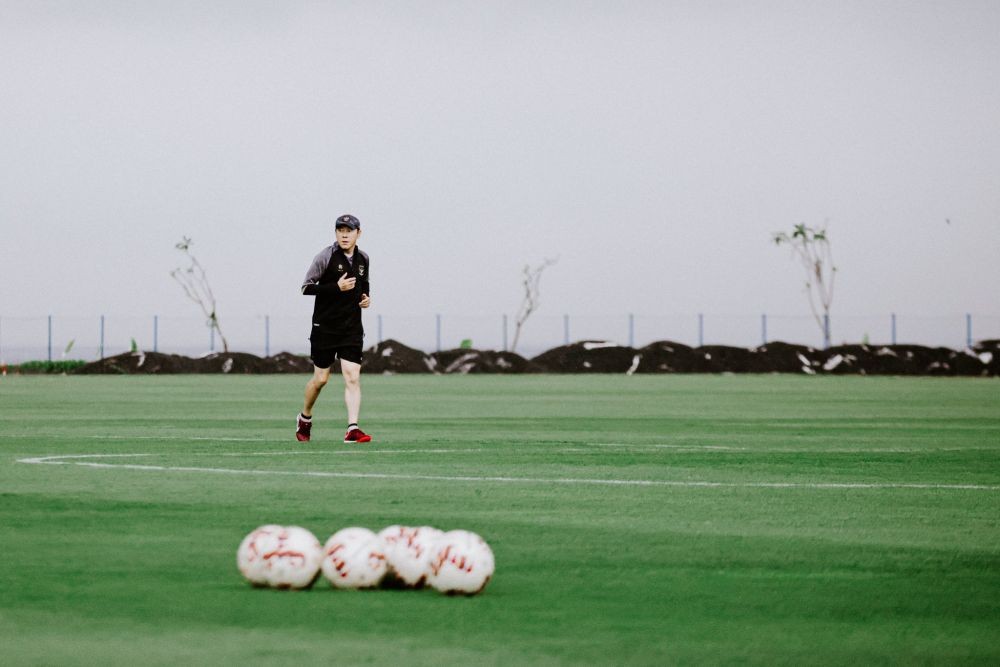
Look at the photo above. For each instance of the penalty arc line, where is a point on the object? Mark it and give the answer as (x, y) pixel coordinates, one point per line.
(59, 460)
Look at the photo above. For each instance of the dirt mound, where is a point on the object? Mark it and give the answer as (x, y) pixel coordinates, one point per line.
(589, 356)
(239, 363)
(665, 356)
(988, 352)
(671, 357)
(391, 356)
(900, 360)
(989, 345)
(235, 362)
(286, 362)
(776, 357)
(464, 361)
(140, 362)
(726, 359)
(779, 357)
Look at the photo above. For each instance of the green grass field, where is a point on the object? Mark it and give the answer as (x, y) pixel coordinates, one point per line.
(635, 520)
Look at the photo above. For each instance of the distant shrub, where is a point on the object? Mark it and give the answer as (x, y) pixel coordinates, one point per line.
(61, 366)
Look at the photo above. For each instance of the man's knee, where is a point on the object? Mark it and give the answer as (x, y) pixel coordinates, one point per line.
(352, 373)
(319, 380)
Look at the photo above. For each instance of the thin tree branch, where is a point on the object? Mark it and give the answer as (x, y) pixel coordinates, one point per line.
(194, 281)
(812, 248)
(530, 302)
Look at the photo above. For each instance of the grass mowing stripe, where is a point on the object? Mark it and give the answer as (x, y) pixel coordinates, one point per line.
(641, 447)
(57, 460)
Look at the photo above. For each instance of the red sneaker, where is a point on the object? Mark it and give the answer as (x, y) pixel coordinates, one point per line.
(356, 435)
(303, 428)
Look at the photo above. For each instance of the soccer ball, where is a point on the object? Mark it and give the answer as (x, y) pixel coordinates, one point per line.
(461, 562)
(408, 551)
(250, 555)
(354, 558)
(294, 562)
(279, 556)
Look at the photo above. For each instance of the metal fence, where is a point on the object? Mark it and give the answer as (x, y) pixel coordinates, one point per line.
(53, 337)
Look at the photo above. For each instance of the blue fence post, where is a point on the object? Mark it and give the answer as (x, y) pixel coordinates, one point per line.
(826, 331)
(50, 338)
(631, 330)
(894, 328)
(379, 320)
(763, 329)
(968, 330)
(565, 329)
(437, 337)
(267, 335)
(156, 333)
(505, 332)
(102, 338)
(701, 329)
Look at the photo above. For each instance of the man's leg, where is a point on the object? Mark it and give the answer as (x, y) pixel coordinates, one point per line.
(315, 385)
(350, 368)
(352, 389)
(303, 423)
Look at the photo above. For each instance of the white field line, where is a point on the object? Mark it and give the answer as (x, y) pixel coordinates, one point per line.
(641, 445)
(790, 450)
(182, 438)
(298, 452)
(349, 452)
(74, 459)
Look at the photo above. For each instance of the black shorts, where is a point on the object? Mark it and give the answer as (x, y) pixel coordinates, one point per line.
(323, 357)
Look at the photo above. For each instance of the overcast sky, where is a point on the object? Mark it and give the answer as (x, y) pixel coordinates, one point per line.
(653, 147)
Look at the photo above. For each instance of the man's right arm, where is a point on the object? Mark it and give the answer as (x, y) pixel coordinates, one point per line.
(314, 289)
(310, 284)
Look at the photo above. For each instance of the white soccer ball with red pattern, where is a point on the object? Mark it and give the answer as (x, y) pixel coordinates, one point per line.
(294, 561)
(250, 555)
(354, 558)
(279, 556)
(408, 552)
(461, 562)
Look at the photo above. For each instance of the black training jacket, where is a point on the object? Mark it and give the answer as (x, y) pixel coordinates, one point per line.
(336, 317)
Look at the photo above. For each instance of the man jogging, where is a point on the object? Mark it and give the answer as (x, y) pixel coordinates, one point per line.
(338, 278)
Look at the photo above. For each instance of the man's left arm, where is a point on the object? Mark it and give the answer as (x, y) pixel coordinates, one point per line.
(365, 284)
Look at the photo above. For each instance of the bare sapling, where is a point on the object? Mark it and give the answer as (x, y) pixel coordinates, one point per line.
(812, 248)
(194, 282)
(530, 302)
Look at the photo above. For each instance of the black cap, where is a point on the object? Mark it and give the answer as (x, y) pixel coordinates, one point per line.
(348, 220)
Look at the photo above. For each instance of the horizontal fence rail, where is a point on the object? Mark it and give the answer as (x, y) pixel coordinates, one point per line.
(54, 337)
